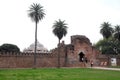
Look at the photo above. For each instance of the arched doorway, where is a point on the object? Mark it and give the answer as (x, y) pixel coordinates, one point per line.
(81, 57)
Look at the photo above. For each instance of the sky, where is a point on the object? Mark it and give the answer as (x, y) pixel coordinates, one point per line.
(84, 17)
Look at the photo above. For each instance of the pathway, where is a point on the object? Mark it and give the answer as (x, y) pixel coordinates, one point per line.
(105, 68)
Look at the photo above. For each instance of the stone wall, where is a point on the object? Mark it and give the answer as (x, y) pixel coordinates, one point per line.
(105, 60)
(26, 60)
(81, 44)
(70, 56)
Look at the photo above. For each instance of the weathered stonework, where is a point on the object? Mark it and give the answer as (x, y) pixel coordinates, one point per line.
(79, 53)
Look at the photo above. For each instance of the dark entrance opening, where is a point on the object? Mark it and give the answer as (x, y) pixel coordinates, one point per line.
(81, 57)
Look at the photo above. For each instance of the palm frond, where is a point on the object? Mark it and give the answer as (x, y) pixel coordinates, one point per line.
(60, 29)
(36, 12)
(106, 30)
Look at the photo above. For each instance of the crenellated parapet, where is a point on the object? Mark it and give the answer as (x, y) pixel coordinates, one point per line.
(71, 55)
(8, 54)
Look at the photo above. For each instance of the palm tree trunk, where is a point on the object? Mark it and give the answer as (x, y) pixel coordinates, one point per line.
(59, 54)
(35, 44)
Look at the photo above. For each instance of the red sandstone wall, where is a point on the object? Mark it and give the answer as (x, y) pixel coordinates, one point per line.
(68, 57)
(26, 60)
(105, 60)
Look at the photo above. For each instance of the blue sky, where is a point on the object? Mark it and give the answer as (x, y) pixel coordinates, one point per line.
(83, 17)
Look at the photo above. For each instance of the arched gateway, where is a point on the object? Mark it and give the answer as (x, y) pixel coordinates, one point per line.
(81, 57)
(76, 54)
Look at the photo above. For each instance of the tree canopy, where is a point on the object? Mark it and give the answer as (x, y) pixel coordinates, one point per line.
(36, 12)
(110, 44)
(9, 48)
(60, 29)
(106, 30)
(117, 32)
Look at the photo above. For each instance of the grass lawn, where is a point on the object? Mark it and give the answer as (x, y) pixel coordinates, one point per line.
(58, 74)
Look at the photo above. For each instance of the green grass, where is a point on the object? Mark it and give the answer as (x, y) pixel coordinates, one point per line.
(58, 74)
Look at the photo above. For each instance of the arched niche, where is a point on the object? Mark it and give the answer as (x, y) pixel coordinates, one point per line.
(81, 56)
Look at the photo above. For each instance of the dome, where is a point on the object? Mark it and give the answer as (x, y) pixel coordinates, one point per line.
(40, 48)
(39, 45)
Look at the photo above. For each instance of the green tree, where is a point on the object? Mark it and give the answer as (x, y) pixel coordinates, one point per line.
(106, 30)
(108, 46)
(36, 13)
(59, 30)
(9, 48)
(117, 32)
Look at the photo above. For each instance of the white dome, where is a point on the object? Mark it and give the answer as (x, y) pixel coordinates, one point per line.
(40, 48)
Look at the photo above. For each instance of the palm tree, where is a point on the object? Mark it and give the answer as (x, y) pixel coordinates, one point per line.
(59, 30)
(36, 13)
(106, 30)
(117, 32)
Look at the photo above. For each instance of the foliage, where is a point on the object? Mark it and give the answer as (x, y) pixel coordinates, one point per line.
(9, 48)
(117, 32)
(58, 74)
(36, 12)
(60, 29)
(106, 30)
(110, 44)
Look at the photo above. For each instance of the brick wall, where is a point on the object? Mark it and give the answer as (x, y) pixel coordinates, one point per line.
(26, 60)
(69, 56)
(105, 60)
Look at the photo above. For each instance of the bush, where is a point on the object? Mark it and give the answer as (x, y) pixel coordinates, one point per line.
(9, 48)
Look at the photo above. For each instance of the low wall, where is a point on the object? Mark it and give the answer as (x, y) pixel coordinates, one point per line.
(105, 60)
(26, 60)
